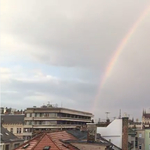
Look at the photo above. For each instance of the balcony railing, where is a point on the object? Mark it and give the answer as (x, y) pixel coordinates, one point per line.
(57, 118)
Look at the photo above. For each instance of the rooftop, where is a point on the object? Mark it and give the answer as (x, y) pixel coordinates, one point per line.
(57, 108)
(48, 139)
(7, 136)
(62, 140)
(12, 119)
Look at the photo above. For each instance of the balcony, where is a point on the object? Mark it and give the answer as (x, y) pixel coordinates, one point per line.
(27, 133)
(58, 118)
(55, 126)
(27, 126)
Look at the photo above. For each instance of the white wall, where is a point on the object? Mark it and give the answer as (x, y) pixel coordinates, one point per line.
(112, 132)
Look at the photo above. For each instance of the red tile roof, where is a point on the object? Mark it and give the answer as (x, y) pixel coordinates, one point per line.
(32, 143)
(63, 135)
(46, 141)
(49, 139)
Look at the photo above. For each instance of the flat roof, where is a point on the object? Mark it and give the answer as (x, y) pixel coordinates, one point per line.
(58, 108)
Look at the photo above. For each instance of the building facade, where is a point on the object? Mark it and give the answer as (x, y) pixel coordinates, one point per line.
(8, 140)
(48, 118)
(13, 123)
(147, 139)
(145, 118)
(117, 133)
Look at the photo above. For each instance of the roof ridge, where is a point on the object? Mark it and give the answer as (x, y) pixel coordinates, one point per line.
(38, 141)
(53, 141)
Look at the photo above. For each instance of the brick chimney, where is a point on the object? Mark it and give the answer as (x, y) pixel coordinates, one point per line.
(92, 132)
(125, 133)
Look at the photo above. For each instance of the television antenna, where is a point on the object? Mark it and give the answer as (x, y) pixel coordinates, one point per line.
(107, 113)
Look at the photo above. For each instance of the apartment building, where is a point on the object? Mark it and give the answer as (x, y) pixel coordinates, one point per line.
(13, 123)
(8, 140)
(48, 118)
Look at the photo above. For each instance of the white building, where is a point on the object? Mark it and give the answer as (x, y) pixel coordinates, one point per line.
(113, 132)
(116, 132)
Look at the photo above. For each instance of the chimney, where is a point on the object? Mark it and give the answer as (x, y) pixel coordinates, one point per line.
(92, 132)
(125, 133)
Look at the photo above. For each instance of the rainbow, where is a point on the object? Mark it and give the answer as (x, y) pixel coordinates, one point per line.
(117, 53)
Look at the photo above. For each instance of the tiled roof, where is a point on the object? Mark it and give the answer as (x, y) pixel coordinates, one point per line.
(32, 143)
(12, 119)
(46, 141)
(58, 136)
(7, 136)
(49, 139)
(81, 135)
(61, 140)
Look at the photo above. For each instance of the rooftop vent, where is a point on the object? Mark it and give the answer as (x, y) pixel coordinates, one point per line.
(47, 148)
(25, 146)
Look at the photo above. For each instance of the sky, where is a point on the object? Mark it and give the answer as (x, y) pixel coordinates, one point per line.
(58, 51)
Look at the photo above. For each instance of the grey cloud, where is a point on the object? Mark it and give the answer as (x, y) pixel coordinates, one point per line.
(64, 91)
(83, 34)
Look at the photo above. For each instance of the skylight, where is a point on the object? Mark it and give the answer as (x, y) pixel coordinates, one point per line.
(47, 148)
(25, 146)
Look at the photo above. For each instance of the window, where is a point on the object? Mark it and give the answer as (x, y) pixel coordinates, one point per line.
(140, 135)
(149, 146)
(11, 130)
(33, 114)
(132, 142)
(25, 146)
(18, 130)
(25, 138)
(37, 115)
(46, 147)
(7, 147)
(52, 115)
(16, 145)
(140, 146)
(28, 137)
(28, 114)
(136, 142)
(149, 134)
(1, 146)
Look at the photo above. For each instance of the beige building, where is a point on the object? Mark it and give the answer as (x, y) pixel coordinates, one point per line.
(8, 140)
(14, 124)
(140, 139)
(47, 118)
